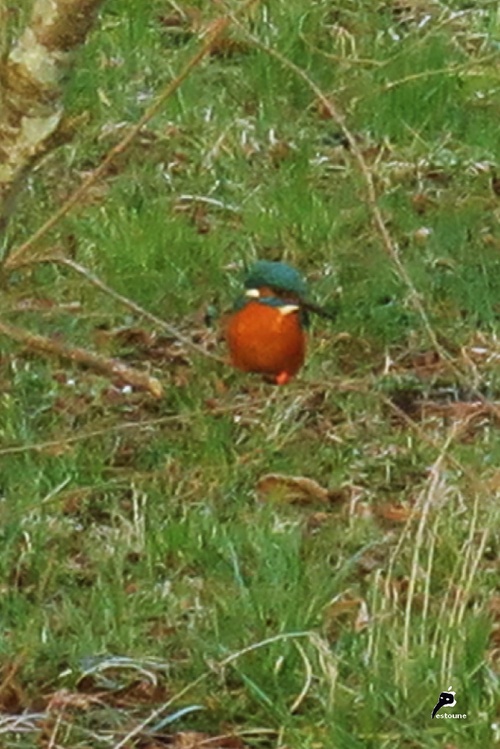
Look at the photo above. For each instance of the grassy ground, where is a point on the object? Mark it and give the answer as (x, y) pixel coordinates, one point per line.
(147, 544)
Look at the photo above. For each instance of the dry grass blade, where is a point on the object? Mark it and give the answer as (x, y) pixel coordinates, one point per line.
(328, 664)
(453, 70)
(21, 724)
(61, 443)
(432, 491)
(453, 612)
(156, 714)
(307, 682)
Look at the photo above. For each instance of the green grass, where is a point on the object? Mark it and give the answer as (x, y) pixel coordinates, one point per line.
(135, 528)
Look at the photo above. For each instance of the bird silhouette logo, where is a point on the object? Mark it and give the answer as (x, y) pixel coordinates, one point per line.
(445, 699)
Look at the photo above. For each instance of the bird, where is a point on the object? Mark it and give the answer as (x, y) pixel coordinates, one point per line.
(266, 332)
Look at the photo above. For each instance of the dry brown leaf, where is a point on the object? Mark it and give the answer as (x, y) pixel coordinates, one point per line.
(275, 487)
(187, 18)
(426, 363)
(395, 513)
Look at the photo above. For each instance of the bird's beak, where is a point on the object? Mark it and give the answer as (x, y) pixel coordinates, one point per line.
(288, 309)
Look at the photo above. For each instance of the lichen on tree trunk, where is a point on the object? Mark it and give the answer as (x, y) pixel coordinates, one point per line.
(31, 109)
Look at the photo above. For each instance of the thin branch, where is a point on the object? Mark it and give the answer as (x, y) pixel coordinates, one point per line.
(123, 300)
(133, 306)
(108, 367)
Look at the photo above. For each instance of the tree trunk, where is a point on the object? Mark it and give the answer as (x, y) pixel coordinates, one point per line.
(31, 110)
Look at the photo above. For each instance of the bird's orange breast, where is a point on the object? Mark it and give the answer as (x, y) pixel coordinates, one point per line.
(263, 339)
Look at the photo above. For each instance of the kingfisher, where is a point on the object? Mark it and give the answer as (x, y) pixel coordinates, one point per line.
(266, 332)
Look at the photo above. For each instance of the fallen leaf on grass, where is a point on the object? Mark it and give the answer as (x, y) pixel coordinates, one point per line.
(275, 487)
(395, 513)
(494, 608)
(187, 18)
(140, 692)
(278, 151)
(424, 364)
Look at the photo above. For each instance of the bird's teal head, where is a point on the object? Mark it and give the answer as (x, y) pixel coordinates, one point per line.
(279, 285)
(278, 277)
(276, 285)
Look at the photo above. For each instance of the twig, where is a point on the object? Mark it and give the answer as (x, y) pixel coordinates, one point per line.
(101, 364)
(133, 306)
